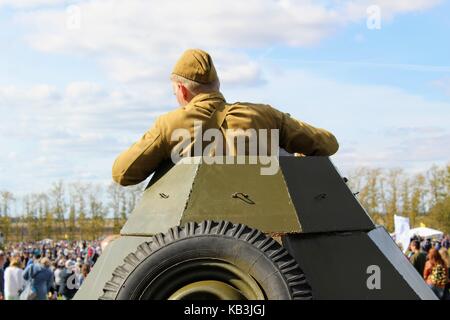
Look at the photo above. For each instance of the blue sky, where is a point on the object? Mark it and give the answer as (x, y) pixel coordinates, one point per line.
(77, 87)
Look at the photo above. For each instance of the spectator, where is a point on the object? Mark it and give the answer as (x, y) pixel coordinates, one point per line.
(446, 242)
(437, 245)
(36, 257)
(90, 256)
(444, 254)
(25, 259)
(435, 273)
(41, 278)
(418, 257)
(2, 283)
(426, 246)
(13, 280)
(58, 252)
(85, 269)
(5, 260)
(57, 273)
(69, 282)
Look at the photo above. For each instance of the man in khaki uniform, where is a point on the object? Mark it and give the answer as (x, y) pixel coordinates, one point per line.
(196, 86)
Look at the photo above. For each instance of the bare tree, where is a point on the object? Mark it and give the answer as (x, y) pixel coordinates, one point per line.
(389, 191)
(59, 206)
(406, 200)
(72, 228)
(373, 201)
(6, 199)
(116, 196)
(133, 195)
(437, 184)
(79, 192)
(98, 211)
(417, 199)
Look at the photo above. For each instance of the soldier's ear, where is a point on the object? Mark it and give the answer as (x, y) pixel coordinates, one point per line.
(184, 92)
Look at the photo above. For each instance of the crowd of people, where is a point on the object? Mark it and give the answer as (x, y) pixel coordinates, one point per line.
(55, 270)
(46, 269)
(431, 260)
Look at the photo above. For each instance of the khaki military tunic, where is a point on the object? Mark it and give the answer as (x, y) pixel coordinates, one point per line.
(143, 157)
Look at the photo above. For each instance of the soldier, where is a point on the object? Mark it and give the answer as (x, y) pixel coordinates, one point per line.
(196, 87)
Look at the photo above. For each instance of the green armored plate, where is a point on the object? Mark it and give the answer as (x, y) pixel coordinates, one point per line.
(241, 194)
(163, 203)
(192, 191)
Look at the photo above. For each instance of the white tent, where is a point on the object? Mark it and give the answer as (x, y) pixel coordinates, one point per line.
(425, 232)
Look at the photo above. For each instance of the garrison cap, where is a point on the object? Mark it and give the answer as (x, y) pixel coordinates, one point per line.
(196, 65)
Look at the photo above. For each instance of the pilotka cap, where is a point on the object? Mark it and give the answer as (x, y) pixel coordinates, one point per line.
(196, 65)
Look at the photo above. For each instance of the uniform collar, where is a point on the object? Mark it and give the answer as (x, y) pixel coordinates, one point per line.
(207, 96)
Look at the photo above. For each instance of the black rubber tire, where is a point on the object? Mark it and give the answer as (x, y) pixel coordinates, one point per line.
(250, 250)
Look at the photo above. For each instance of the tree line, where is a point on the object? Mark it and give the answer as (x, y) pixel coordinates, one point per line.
(88, 211)
(71, 211)
(422, 197)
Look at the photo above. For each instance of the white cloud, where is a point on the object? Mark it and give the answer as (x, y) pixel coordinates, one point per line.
(138, 40)
(12, 155)
(29, 3)
(80, 90)
(242, 75)
(443, 85)
(36, 94)
(77, 117)
(354, 10)
(49, 134)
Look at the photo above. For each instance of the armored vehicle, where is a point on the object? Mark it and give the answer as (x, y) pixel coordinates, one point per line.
(227, 231)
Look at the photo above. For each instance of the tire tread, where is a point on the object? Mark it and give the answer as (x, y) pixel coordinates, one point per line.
(287, 266)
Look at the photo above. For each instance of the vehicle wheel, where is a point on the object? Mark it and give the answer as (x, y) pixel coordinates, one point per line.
(209, 260)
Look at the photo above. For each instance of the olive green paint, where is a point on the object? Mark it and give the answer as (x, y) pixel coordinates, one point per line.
(268, 206)
(196, 192)
(163, 203)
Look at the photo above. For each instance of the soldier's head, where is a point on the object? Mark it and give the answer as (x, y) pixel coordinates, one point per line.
(194, 73)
